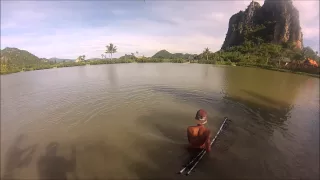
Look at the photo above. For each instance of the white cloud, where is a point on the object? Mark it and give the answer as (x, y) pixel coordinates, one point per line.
(186, 26)
(118, 12)
(92, 43)
(8, 25)
(309, 18)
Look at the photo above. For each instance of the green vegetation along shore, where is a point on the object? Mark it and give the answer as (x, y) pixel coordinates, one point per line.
(261, 55)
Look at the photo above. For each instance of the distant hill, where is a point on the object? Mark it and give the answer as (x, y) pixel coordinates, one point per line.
(164, 54)
(54, 59)
(18, 58)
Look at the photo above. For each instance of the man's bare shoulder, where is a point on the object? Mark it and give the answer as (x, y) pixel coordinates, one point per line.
(192, 127)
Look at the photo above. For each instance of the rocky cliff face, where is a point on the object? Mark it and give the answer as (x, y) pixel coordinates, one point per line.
(277, 21)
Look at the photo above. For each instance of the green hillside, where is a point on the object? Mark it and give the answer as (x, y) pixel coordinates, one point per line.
(164, 54)
(18, 58)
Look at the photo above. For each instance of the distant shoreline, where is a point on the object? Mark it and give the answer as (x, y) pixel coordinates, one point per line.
(221, 65)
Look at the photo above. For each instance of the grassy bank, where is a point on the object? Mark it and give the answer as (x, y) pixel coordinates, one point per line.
(151, 60)
(279, 69)
(58, 65)
(15, 69)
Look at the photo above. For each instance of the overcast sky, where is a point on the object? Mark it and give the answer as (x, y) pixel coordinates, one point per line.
(67, 29)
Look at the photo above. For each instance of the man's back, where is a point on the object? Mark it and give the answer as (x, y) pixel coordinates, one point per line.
(199, 137)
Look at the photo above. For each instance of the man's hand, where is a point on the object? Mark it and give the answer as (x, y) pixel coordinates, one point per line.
(208, 149)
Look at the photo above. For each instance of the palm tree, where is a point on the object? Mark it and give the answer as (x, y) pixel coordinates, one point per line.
(111, 49)
(206, 52)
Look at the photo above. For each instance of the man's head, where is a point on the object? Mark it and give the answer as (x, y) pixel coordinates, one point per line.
(201, 117)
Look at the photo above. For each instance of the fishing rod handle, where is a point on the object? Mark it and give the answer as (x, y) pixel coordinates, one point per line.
(190, 162)
(195, 164)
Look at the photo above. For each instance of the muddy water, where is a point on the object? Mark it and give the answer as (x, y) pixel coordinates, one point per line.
(129, 121)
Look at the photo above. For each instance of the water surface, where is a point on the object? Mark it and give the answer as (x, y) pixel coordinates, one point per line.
(129, 121)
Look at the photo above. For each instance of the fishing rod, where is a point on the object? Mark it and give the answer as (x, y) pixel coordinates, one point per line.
(202, 153)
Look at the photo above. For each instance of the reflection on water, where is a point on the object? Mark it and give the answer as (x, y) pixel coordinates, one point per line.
(263, 113)
(51, 166)
(206, 72)
(112, 75)
(129, 121)
(269, 104)
(82, 72)
(17, 157)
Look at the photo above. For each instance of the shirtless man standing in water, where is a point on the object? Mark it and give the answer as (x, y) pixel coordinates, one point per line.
(199, 136)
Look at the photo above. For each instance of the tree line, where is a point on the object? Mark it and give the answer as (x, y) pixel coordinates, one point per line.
(250, 53)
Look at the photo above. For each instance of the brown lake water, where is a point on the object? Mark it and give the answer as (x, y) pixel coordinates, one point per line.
(128, 121)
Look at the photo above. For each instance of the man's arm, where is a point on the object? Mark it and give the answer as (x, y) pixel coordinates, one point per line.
(188, 134)
(208, 141)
